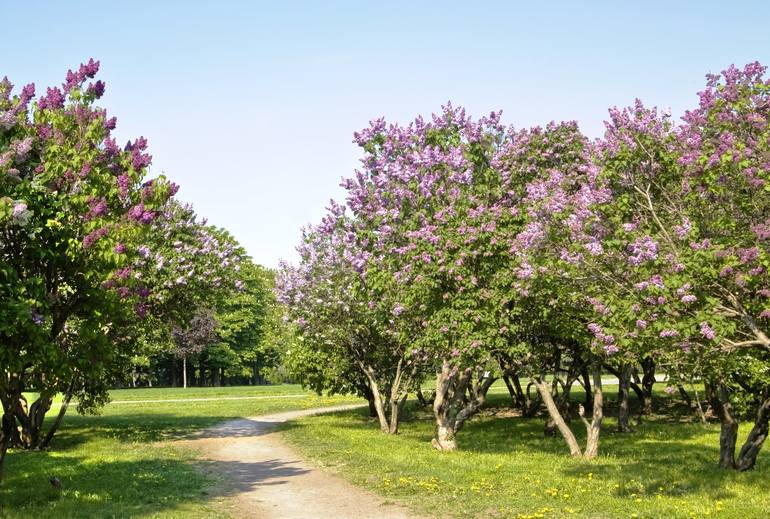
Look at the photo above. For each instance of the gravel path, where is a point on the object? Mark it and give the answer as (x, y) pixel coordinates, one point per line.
(265, 479)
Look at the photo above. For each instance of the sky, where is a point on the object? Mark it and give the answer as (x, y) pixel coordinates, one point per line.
(251, 106)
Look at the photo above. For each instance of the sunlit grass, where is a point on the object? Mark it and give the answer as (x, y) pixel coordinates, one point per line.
(110, 465)
(507, 468)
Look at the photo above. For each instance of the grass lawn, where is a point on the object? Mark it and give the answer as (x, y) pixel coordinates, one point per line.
(506, 467)
(109, 465)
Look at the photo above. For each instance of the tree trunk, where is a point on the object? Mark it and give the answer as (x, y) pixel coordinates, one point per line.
(367, 393)
(31, 420)
(184, 371)
(399, 391)
(445, 435)
(451, 408)
(589, 400)
(747, 457)
(393, 403)
(648, 381)
(562, 404)
(521, 399)
(511, 390)
(420, 397)
(623, 398)
(719, 399)
(378, 403)
(6, 436)
(553, 411)
(59, 417)
(372, 407)
(594, 427)
(518, 400)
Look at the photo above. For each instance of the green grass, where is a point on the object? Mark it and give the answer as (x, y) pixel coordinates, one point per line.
(205, 392)
(166, 393)
(111, 466)
(506, 467)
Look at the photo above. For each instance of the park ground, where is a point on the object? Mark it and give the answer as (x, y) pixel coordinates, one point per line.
(123, 464)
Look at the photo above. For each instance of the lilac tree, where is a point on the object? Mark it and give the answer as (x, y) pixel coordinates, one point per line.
(407, 202)
(334, 308)
(681, 243)
(74, 208)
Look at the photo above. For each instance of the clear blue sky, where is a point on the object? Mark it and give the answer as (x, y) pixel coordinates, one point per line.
(251, 106)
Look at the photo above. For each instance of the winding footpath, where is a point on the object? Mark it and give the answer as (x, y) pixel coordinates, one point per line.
(264, 478)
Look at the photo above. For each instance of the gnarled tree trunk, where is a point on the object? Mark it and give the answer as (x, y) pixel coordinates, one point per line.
(388, 408)
(719, 398)
(586, 383)
(747, 457)
(451, 407)
(60, 416)
(558, 419)
(593, 427)
(648, 381)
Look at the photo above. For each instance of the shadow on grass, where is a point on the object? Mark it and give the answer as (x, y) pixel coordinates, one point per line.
(136, 427)
(95, 489)
(124, 488)
(657, 458)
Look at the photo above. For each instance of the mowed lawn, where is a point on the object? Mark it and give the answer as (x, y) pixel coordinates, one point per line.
(118, 464)
(506, 467)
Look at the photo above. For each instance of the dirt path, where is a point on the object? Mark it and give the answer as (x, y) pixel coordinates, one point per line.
(265, 479)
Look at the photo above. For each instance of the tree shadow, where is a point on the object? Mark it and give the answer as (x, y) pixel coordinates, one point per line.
(243, 477)
(257, 426)
(96, 489)
(126, 488)
(666, 455)
(240, 428)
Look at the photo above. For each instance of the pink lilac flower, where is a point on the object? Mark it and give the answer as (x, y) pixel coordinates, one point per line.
(53, 99)
(123, 184)
(629, 227)
(682, 230)
(93, 237)
(707, 331)
(19, 208)
(96, 89)
(642, 249)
